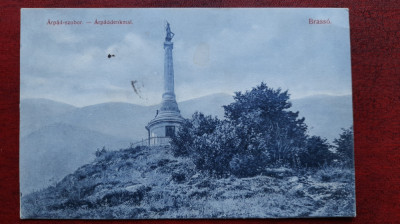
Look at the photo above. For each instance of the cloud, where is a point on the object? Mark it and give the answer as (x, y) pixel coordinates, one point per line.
(231, 50)
(62, 35)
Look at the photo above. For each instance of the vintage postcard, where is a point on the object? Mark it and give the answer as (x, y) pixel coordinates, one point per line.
(186, 113)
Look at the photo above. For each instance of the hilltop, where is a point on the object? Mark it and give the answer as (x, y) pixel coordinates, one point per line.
(61, 132)
(149, 182)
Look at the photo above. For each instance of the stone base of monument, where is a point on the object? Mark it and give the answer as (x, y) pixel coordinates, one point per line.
(165, 124)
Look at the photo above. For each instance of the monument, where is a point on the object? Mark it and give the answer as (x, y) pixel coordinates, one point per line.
(168, 117)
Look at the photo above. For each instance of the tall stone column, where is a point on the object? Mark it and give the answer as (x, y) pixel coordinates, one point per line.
(168, 98)
(168, 118)
(168, 68)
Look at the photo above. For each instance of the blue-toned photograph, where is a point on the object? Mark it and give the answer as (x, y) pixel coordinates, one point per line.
(180, 113)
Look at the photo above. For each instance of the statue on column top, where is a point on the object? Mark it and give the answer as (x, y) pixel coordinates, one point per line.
(170, 34)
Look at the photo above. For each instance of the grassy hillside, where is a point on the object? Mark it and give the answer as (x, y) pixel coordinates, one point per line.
(149, 182)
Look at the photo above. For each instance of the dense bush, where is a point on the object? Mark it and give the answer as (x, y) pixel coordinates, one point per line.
(317, 152)
(258, 131)
(344, 146)
(191, 130)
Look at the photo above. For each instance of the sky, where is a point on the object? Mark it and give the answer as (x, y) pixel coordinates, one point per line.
(215, 51)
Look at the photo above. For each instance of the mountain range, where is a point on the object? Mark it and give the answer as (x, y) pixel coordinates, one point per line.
(56, 138)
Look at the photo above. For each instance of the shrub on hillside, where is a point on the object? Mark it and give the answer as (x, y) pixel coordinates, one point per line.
(101, 152)
(316, 153)
(191, 130)
(258, 131)
(344, 146)
(334, 174)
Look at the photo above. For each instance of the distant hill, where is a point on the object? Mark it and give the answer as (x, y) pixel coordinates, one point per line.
(116, 119)
(129, 120)
(36, 113)
(150, 183)
(53, 151)
(325, 115)
(210, 105)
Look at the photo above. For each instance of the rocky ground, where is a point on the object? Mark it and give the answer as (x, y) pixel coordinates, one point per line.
(149, 182)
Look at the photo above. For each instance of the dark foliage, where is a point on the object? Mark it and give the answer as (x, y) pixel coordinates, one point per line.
(197, 126)
(101, 152)
(258, 131)
(316, 153)
(178, 177)
(344, 146)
